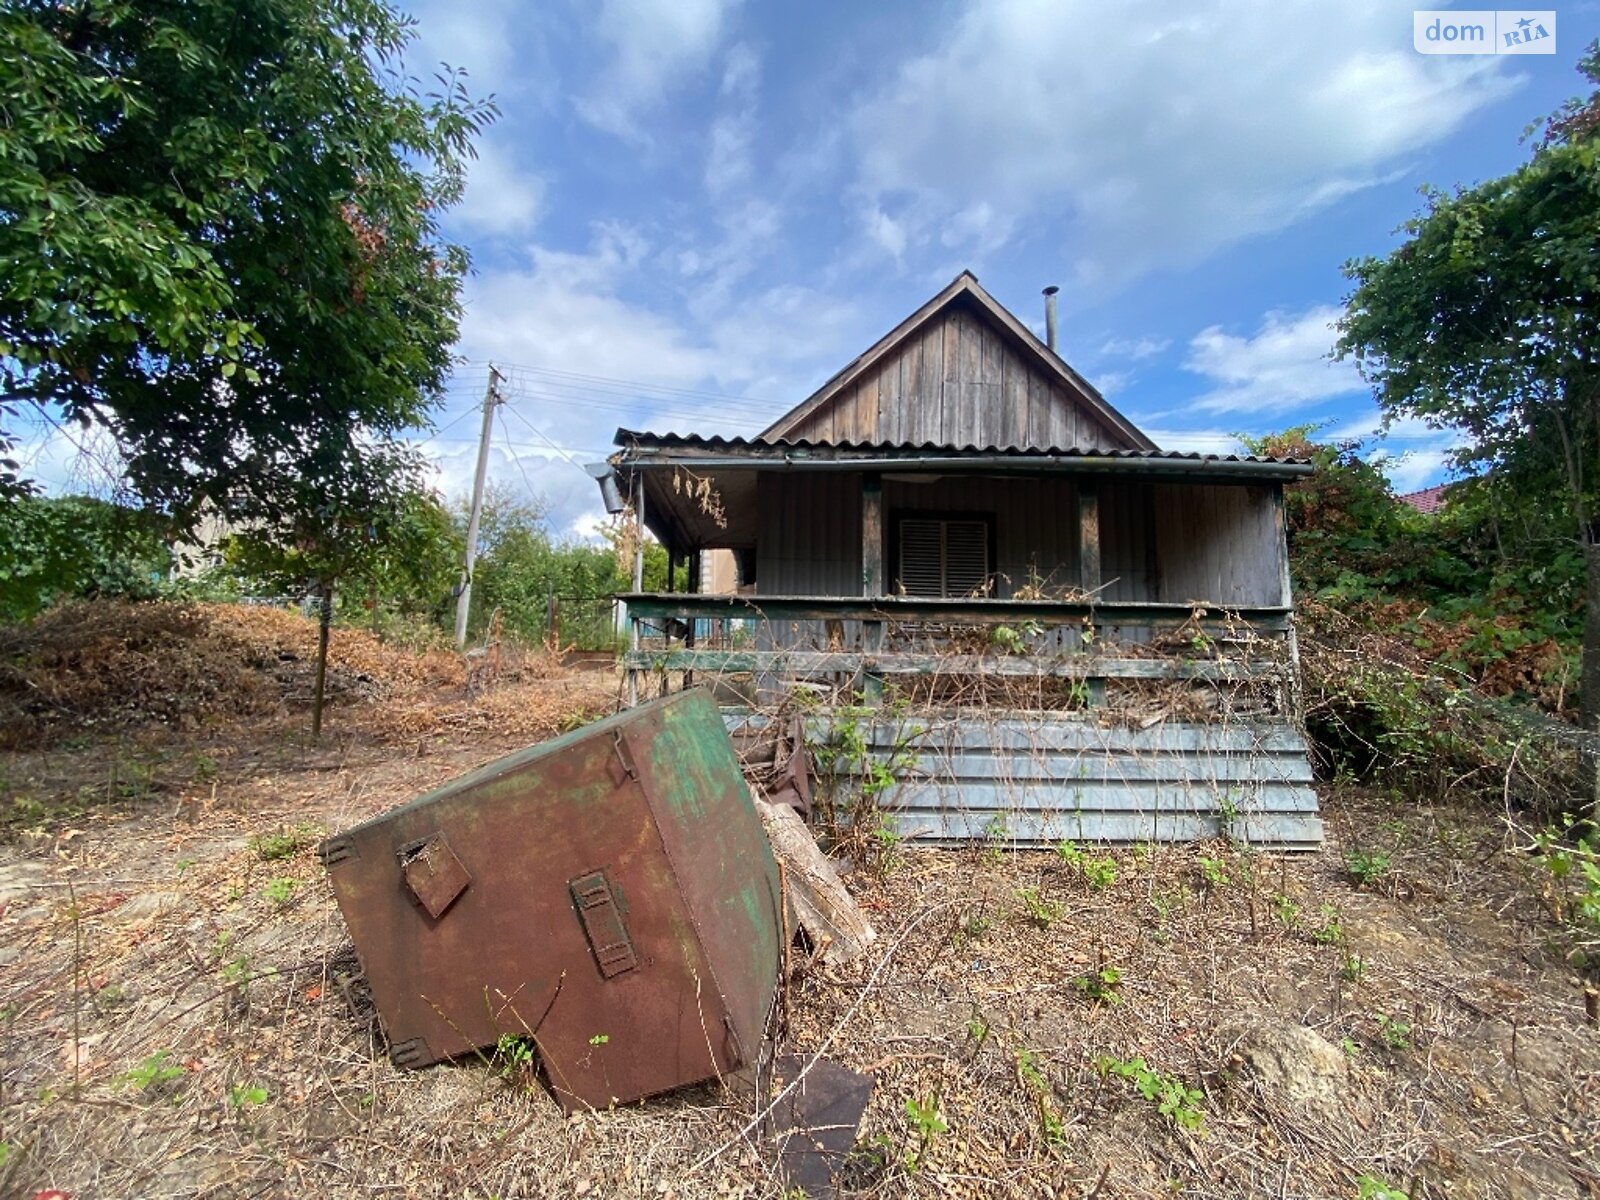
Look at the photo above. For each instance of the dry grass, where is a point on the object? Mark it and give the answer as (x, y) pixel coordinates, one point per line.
(166, 916)
(167, 930)
(97, 667)
(991, 1011)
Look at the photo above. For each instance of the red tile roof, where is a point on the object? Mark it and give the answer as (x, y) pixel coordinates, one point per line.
(1428, 500)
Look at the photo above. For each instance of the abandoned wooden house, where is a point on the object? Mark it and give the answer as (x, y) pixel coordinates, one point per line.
(1044, 626)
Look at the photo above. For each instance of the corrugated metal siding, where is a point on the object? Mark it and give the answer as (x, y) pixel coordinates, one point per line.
(1033, 779)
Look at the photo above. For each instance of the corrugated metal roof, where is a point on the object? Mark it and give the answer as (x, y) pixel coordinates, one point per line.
(627, 437)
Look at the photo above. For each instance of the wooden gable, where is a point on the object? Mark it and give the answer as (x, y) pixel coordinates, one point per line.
(961, 371)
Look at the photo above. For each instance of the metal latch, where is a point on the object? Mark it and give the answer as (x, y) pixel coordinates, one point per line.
(622, 769)
(433, 873)
(602, 924)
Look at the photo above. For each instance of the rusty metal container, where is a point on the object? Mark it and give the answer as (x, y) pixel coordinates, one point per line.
(609, 894)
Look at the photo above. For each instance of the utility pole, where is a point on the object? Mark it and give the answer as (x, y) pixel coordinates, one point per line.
(491, 397)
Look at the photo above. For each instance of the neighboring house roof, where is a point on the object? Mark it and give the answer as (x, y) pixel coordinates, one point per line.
(961, 370)
(1428, 500)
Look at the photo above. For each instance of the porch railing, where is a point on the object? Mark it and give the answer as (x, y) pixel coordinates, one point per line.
(869, 640)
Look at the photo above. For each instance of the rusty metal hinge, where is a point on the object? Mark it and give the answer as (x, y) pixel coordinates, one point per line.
(336, 850)
(602, 924)
(409, 1053)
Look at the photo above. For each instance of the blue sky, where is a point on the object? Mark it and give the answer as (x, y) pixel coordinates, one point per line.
(691, 212)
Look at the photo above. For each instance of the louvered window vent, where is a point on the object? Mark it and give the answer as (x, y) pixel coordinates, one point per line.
(944, 556)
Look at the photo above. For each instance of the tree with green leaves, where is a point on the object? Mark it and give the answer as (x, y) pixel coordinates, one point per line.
(219, 236)
(1487, 320)
(349, 519)
(75, 546)
(414, 572)
(536, 580)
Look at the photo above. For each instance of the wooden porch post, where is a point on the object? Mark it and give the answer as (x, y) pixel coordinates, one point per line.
(1089, 565)
(692, 586)
(638, 586)
(666, 628)
(1089, 537)
(872, 576)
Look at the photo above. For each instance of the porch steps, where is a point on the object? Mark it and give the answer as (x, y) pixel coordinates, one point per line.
(1034, 779)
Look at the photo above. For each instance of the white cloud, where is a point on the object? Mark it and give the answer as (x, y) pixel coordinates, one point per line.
(747, 232)
(1196, 441)
(67, 459)
(1412, 470)
(728, 164)
(741, 73)
(655, 45)
(977, 228)
(886, 231)
(501, 198)
(1109, 383)
(786, 339)
(1410, 452)
(1158, 138)
(1134, 349)
(481, 38)
(1284, 367)
(565, 311)
(582, 314)
(570, 498)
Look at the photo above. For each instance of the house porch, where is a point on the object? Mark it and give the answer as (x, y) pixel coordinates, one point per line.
(1093, 646)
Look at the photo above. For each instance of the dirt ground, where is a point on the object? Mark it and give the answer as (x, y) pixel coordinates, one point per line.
(176, 1020)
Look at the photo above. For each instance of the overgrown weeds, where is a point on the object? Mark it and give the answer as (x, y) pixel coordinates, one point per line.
(1380, 709)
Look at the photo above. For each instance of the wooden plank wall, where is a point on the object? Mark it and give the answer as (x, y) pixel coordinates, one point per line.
(810, 540)
(958, 382)
(1126, 534)
(1169, 542)
(1035, 523)
(1217, 544)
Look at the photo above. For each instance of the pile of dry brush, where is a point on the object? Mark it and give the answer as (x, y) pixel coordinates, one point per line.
(105, 666)
(1382, 710)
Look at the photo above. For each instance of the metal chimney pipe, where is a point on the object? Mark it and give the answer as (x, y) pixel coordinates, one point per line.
(1050, 316)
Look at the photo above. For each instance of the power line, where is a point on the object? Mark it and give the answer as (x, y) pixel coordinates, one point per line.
(540, 450)
(541, 434)
(526, 482)
(627, 395)
(449, 425)
(633, 408)
(630, 403)
(661, 417)
(609, 382)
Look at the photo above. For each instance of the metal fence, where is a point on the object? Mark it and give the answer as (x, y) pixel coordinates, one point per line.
(579, 622)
